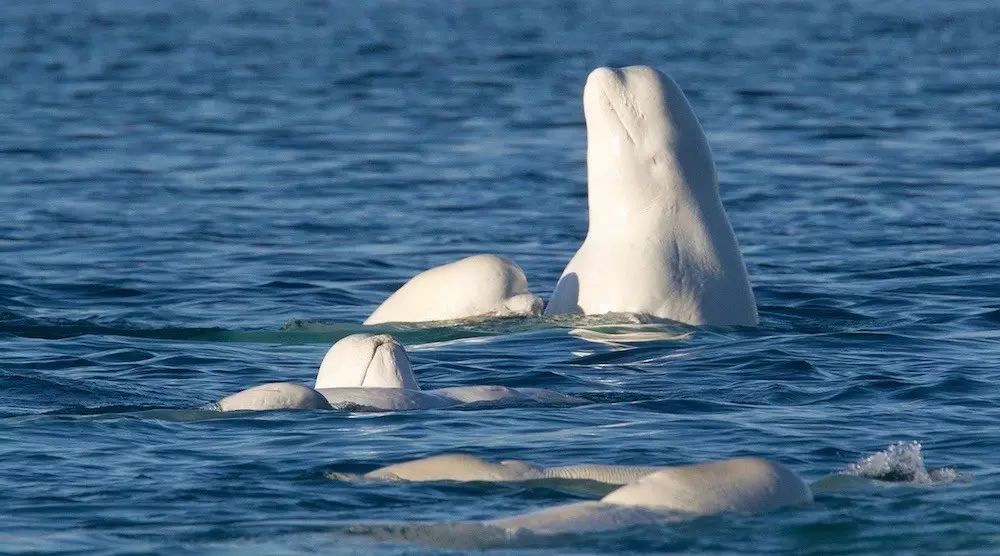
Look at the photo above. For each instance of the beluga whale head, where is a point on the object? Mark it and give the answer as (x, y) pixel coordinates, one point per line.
(646, 151)
(366, 361)
(659, 242)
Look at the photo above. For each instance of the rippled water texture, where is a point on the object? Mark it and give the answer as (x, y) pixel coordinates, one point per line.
(202, 196)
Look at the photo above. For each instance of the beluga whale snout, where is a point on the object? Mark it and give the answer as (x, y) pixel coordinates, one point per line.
(659, 242)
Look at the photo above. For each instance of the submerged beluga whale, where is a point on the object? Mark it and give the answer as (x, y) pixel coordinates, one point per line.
(476, 286)
(366, 371)
(644, 495)
(659, 242)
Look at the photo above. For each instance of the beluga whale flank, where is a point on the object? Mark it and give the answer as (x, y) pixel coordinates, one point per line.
(659, 242)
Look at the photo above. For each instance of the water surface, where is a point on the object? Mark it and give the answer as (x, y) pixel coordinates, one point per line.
(200, 197)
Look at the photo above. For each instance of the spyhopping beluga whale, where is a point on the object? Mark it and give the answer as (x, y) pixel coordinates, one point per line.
(476, 286)
(659, 242)
(373, 372)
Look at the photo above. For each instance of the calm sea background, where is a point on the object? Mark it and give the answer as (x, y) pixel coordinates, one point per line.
(198, 197)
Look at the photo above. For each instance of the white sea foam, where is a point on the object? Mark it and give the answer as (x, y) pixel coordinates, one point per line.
(903, 462)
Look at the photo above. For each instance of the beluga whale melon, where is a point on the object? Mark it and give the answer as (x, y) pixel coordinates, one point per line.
(659, 242)
(479, 286)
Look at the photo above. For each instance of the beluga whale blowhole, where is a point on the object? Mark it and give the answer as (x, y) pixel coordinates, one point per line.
(659, 242)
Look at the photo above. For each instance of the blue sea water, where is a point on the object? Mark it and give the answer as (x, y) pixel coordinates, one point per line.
(203, 196)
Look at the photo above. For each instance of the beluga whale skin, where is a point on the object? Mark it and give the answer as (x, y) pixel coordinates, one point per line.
(741, 485)
(638, 495)
(479, 286)
(659, 242)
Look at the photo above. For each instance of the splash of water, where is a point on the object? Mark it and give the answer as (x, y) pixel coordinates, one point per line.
(903, 462)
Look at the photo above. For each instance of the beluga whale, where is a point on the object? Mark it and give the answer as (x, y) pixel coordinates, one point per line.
(479, 286)
(659, 242)
(634, 496)
(373, 372)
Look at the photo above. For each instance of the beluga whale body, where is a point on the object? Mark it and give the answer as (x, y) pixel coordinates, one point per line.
(477, 286)
(373, 372)
(659, 242)
(634, 495)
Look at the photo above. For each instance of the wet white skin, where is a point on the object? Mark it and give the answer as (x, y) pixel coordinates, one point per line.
(659, 241)
(366, 361)
(274, 395)
(742, 485)
(476, 286)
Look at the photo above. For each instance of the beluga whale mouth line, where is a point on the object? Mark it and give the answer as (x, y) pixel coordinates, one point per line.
(616, 109)
(364, 373)
(377, 343)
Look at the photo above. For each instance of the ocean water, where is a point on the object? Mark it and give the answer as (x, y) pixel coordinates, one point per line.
(202, 196)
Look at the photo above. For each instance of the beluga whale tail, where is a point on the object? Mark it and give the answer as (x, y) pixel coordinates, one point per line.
(659, 242)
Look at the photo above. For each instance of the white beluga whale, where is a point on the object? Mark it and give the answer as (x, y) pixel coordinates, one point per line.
(477, 286)
(642, 495)
(659, 242)
(367, 371)
(700, 488)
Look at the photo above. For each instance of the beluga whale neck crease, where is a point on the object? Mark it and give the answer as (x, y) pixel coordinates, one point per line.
(659, 242)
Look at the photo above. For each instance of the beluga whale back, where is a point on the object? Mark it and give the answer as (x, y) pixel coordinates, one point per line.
(659, 242)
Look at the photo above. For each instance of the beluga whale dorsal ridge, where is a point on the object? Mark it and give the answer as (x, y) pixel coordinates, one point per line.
(659, 242)
(474, 287)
